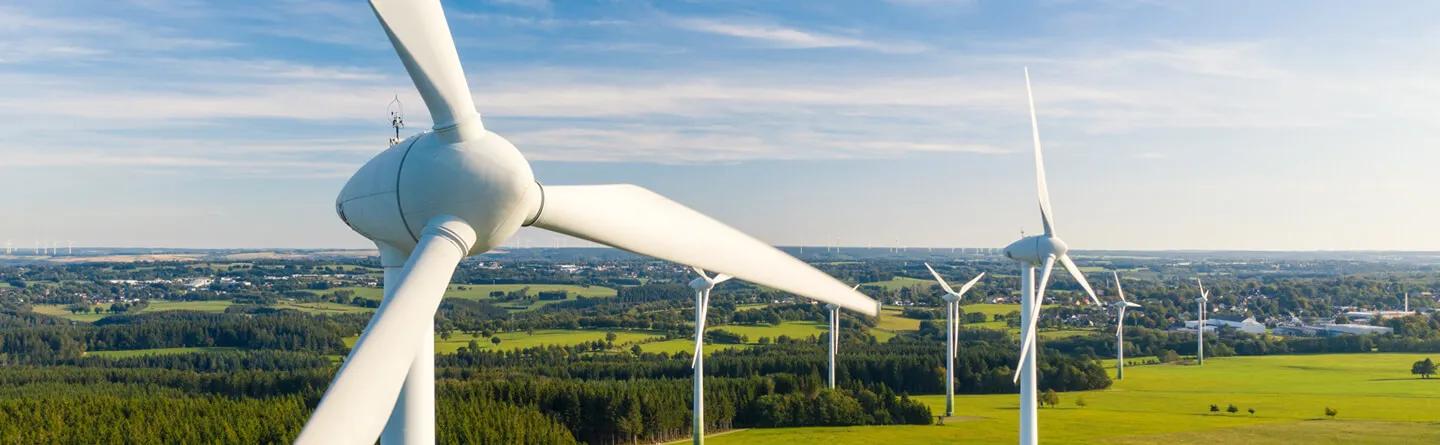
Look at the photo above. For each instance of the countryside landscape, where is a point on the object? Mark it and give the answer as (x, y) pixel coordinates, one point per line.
(593, 346)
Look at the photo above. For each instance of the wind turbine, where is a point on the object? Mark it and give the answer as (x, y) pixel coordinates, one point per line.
(1120, 307)
(702, 286)
(952, 332)
(1037, 251)
(460, 190)
(1200, 328)
(834, 312)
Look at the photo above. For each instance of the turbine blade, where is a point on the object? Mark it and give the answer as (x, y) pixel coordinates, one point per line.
(722, 278)
(943, 284)
(970, 284)
(1203, 294)
(1034, 315)
(704, 311)
(1046, 215)
(1119, 289)
(1120, 323)
(355, 407)
(422, 38)
(641, 221)
(1080, 277)
(701, 272)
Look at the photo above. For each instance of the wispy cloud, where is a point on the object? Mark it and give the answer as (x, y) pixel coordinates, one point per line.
(786, 37)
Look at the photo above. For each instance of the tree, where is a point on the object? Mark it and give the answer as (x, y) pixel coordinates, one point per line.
(1232, 409)
(610, 337)
(1331, 412)
(636, 350)
(1050, 397)
(1252, 411)
(1424, 368)
(495, 340)
(1080, 402)
(1214, 408)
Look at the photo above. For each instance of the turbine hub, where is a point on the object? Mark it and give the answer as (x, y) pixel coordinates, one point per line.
(949, 298)
(700, 284)
(481, 179)
(1034, 249)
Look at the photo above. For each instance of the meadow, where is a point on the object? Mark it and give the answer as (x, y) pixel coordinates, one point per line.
(510, 341)
(1376, 399)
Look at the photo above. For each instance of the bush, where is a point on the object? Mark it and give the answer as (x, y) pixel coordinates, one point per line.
(1331, 412)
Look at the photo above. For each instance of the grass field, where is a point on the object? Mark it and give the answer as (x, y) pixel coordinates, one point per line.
(543, 337)
(891, 323)
(898, 283)
(59, 310)
(1378, 401)
(156, 351)
(794, 329)
(321, 307)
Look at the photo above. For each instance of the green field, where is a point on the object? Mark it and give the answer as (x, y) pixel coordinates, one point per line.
(1378, 401)
(794, 329)
(543, 337)
(321, 307)
(156, 351)
(891, 323)
(898, 283)
(59, 310)
(199, 306)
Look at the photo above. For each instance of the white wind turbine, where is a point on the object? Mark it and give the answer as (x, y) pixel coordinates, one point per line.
(702, 285)
(952, 332)
(1200, 304)
(1031, 252)
(1120, 307)
(834, 312)
(459, 190)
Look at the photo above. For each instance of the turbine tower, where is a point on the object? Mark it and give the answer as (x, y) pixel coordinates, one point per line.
(1200, 304)
(834, 313)
(1120, 307)
(952, 332)
(702, 285)
(1031, 252)
(460, 190)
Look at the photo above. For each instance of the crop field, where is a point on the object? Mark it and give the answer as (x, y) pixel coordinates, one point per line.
(1376, 399)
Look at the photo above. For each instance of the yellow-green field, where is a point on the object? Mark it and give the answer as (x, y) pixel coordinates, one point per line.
(794, 329)
(59, 310)
(321, 307)
(1377, 400)
(898, 283)
(892, 323)
(155, 351)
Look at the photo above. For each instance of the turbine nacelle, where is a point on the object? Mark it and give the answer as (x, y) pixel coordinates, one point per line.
(463, 171)
(1035, 249)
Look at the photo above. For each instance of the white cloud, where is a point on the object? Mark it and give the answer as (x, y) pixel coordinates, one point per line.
(785, 37)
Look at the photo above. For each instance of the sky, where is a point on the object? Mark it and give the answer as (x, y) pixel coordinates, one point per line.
(1278, 125)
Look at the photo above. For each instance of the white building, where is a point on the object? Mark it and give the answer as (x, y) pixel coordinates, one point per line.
(1248, 325)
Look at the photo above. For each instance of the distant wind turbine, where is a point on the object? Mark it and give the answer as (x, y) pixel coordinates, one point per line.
(952, 332)
(1200, 304)
(1120, 307)
(702, 285)
(1037, 251)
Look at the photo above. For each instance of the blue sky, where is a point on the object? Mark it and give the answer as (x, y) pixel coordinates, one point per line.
(1197, 125)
